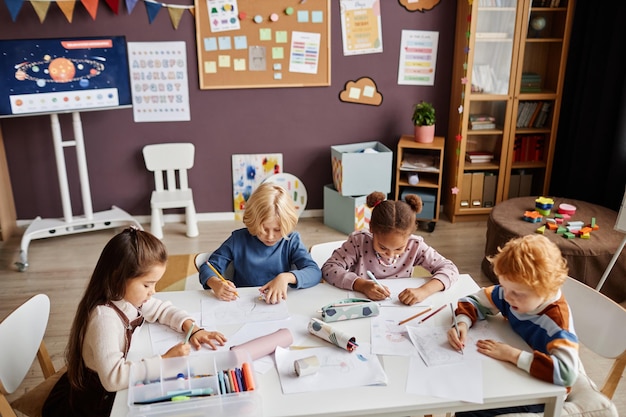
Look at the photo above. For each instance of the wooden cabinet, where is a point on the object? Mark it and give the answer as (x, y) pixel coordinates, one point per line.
(419, 170)
(508, 73)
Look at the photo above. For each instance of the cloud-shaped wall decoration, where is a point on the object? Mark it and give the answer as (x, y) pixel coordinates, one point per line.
(361, 91)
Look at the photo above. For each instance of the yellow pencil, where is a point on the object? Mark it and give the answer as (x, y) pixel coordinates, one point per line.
(219, 275)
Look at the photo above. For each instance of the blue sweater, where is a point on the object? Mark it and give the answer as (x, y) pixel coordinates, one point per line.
(255, 264)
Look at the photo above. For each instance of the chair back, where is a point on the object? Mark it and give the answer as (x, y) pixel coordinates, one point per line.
(599, 324)
(169, 159)
(21, 334)
(203, 257)
(322, 251)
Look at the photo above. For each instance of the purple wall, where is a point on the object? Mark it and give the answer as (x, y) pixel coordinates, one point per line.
(301, 123)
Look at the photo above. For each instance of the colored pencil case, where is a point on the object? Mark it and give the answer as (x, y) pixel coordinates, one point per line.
(350, 308)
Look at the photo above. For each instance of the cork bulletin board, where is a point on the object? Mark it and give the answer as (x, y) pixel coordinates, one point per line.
(263, 44)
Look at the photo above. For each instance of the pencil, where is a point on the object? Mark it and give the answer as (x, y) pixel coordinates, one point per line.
(189, 332)
(431, 314)
(415, 316)
(456, 325)
(219, 275)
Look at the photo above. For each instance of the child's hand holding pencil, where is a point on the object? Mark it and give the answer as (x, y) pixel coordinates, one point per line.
(224, 289)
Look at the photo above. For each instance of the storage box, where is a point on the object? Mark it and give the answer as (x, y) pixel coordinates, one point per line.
(361, 168)
(345, 213)
(184, 383)
(428, 199)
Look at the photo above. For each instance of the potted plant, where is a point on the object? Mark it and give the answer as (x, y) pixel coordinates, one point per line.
(424, 122)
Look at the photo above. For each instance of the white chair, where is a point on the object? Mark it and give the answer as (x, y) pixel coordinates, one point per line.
(322, 251)
(171, 160)
(599, 324)
(203, 257)
(21, 340)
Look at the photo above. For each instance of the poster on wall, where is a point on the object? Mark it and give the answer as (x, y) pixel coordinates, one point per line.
(418, 57)
(250, 170)
(361, 27)
(159, 83)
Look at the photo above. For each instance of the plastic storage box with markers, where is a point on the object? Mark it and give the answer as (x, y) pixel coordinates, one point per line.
(215, 383)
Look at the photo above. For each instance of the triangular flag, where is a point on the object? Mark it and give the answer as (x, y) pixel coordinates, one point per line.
(114, 5)
(175, 14)
(153, 9)
(41, 8)
(91, 6)
(14, 7)
(192, 10)
(130, 5)
(67, 7)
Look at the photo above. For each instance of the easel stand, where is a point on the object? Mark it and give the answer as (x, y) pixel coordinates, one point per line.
(90, 221)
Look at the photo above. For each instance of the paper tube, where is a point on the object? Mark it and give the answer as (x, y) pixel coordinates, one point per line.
(265, 345)
(328, 333)
(306, 366)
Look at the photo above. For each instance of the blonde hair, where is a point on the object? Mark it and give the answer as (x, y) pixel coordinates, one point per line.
(266, 202)
(534, 261)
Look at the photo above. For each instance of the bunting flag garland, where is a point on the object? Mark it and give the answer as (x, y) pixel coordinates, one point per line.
(114, 5)
(460, 109)
(153, 10)
(130, 5)
(14, 7)
(67, 7)
(91, 6)
(41, 8)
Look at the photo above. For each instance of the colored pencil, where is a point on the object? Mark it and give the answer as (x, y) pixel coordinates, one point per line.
(189, 332)
(373, 277)
(415, 316)
(456, 325)
(219, 275)
(431, 314)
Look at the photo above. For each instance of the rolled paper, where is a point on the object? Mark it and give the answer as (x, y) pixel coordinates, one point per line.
(264, 345)
(334, 336)
(306, 366)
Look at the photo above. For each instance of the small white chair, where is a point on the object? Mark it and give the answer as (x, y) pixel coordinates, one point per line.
(203, 257)
(322, 251)
(21, 341)
(599, 324)
(173, 160)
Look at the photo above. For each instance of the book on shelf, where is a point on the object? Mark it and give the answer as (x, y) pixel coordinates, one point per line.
(528, 148)
(480, 121)
(479, 156)
(542, 117)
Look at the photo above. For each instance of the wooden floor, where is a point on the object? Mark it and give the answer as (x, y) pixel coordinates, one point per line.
(61, 266)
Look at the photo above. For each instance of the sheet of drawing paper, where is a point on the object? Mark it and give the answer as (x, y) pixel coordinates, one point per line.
(387, 337)
(396, 286)
(245, 309)
(163, 338)
(338, 369)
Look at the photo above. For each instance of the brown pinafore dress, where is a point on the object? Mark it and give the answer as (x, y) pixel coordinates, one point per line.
(94, 400)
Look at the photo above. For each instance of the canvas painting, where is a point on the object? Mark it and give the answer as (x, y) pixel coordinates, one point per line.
(248, 172)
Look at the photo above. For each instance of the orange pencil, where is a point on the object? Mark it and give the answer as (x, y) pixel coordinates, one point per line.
(415, 316)
(246, 370)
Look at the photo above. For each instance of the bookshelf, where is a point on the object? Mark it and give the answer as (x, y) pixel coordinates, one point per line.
(419, 170)
(508, 73)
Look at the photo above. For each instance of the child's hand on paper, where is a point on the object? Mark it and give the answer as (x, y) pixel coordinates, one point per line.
(372, 290)
(456, 341)
(181, 349)
(223, 290)
(276, 289)
(410, 296)
(498, 350)
(208, 338)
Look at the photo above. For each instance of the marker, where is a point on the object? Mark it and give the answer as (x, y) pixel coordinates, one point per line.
(373, 278)
(189, 332)
(456, 325)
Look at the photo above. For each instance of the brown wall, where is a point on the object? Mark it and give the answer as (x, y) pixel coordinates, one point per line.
(301, 123)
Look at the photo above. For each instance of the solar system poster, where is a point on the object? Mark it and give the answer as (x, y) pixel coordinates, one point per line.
(42, 76)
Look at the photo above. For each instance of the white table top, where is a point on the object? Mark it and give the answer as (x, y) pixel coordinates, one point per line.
(503, 383)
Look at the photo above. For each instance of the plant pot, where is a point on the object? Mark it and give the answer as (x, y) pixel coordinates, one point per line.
(424, 134)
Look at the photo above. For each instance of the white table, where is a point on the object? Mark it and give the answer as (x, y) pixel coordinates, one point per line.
(503, 383)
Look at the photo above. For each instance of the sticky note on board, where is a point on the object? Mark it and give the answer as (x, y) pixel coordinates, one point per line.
(210, 44)
(224, 43)
(210, 67)
(241, 42)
